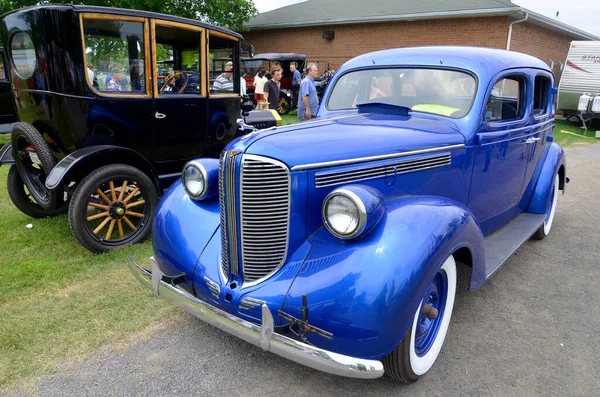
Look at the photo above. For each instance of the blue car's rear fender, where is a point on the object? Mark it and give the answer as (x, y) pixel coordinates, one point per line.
(366, 292)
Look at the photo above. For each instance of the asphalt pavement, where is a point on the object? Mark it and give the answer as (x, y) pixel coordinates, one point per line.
(530, 330)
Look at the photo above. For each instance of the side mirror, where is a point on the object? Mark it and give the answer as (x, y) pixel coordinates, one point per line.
(247, 105)
(251, 51)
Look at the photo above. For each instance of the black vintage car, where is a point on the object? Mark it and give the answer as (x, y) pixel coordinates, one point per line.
(110, 104)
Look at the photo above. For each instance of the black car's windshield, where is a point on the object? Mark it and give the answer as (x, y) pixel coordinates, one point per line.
(439, 91)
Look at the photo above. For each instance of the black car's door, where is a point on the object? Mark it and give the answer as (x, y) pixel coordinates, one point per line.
(8, 112)
(180, 97)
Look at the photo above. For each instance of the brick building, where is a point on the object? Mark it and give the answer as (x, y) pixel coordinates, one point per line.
(337, 30)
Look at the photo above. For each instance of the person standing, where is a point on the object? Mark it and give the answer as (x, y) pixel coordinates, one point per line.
(296, 79)
(259, 88)
(308, 101)
(272, 88)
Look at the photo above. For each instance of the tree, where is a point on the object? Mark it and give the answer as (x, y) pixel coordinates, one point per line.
(227, 13)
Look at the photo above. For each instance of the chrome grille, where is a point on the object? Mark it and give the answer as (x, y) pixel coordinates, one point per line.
(377, 171)
(265, 210)
(227, 208)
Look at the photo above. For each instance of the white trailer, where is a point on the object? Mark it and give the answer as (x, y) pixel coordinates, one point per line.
(581, 79)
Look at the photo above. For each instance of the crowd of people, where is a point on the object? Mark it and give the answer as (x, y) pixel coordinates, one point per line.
(267, 91)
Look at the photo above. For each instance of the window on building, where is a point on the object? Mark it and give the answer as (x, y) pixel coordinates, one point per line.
(223, 66)
(506, 100)
(178, 60)
(115, 55)
(540, 95)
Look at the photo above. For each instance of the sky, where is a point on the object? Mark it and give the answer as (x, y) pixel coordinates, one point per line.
(582, 14)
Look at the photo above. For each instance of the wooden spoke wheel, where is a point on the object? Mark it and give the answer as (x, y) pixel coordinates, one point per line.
(112, 207)
(284, 104)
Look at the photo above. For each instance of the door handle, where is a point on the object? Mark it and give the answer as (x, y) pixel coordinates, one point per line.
(159, 115)
(532, 140)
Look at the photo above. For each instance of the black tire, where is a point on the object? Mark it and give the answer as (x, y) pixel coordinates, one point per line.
(22, 199)
(422, 342)
(544, 230)
(26, 140)
(284, 105)
(113, 209)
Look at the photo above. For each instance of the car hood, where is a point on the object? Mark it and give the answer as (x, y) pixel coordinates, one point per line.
(353, 136)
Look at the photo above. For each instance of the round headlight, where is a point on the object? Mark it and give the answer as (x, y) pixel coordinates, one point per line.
(194, 179)
(344, 214)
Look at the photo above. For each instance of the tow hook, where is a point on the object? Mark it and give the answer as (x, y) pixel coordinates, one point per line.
(429, 311)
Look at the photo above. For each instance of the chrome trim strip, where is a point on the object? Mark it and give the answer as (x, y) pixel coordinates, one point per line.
(373, 158)
(250, 303)
(230, 167)
(260, 335)
(213, 287)
(224, 257)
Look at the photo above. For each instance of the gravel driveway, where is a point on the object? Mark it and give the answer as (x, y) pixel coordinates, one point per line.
(530, 330)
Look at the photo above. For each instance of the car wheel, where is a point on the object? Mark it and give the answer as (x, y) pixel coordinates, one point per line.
(419, 348)
(22, 199)
(112, 207)
(284, 105)
(34, 161)
(544, 230)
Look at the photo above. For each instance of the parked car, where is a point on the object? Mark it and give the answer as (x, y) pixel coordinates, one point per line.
(334, 243)
(111, 103)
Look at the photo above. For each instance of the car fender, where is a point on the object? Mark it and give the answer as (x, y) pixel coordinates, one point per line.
(6, 155)
(181, 230)
(81, 162)
(555, 162)
(366, 291)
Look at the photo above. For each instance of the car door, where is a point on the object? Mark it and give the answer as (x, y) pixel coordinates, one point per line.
(180, 97)
(7, 106)
(500, 159)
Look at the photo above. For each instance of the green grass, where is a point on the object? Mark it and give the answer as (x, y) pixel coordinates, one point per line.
(60, 302)
(290, 118)
(566, 134)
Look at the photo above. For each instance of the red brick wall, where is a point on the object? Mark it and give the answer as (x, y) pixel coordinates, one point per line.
(353, 40)
(542, 43)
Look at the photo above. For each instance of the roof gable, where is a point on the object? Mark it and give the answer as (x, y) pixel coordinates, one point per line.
(317, 12)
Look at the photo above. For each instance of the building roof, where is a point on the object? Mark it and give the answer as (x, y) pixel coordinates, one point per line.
(337, 12)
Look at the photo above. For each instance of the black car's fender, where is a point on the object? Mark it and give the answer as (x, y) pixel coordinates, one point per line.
(81, 162)
(6, 156)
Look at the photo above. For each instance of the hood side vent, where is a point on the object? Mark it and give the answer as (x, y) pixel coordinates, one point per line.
(324, 179)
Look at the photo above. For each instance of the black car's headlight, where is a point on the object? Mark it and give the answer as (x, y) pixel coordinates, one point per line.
(200, 178)
(351, 211)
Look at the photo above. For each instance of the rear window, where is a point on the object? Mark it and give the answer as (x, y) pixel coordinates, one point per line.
(444, 92)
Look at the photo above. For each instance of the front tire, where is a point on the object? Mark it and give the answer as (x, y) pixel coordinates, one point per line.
(422, 343)
(544, 230)
(112, 207)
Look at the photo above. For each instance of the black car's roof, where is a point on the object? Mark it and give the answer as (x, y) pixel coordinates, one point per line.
(133, 13)
(276, 56)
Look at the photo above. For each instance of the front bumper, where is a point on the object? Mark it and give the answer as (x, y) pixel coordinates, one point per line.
(258, 335)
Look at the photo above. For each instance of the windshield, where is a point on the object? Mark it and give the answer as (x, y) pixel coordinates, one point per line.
(444, 92)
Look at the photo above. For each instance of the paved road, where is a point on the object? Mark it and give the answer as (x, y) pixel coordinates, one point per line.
(531, 330)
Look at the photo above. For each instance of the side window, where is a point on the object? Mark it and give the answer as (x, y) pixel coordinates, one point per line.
(506, 100)
(541, 90)
(222, 65)
(177, 60)
(115, 55)
(3, 70)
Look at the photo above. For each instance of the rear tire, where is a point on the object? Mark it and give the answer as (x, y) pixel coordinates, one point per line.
(34, 161)
(22, 199)
(421, 345)
(544, 230)
(112, 207)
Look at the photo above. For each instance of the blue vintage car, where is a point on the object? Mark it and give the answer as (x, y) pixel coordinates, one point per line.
(334, 242)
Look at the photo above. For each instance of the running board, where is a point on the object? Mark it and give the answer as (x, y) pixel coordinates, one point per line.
(503, 243)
